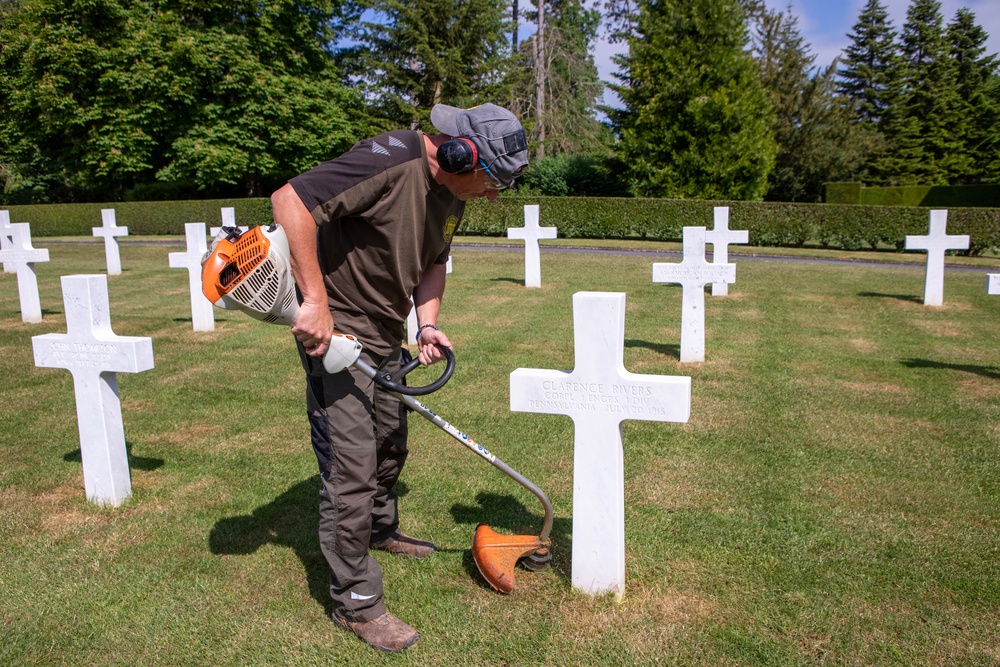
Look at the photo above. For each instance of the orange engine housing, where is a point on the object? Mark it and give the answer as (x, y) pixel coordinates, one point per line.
(230, 262)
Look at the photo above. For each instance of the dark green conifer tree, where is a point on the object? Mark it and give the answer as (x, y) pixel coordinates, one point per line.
(922, 123)
(865, 77)
(697, 121)
(978, 84)
(418, 53)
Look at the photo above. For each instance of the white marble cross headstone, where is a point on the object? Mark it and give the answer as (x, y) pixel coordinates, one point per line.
(599, 394)
(993, 283)
(21, 256)
(201, 308)
(109, 230)
(720, 238)
(936, 243)
(228, 220)
(411, 319)
(5, 237)
(92, 352)
(693, 273)
(531, 233)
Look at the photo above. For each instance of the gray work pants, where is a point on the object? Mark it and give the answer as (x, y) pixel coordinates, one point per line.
(359, 438)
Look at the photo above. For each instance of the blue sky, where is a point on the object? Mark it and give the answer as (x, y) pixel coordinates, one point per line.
(824, 24)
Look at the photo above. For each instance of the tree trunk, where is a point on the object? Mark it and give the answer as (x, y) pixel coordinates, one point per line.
(513, 39)
(539, 57)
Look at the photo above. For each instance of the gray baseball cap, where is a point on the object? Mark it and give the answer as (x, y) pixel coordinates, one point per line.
(496, 133)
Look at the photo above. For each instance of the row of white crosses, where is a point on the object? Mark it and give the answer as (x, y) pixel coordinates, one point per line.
(90, 349)
(598, 394)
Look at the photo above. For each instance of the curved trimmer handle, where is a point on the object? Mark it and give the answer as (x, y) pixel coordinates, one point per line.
(392, 381)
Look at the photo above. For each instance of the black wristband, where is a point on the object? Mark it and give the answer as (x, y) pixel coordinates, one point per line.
(426, 326)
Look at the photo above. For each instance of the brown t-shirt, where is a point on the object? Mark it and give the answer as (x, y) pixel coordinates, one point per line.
(383, 222)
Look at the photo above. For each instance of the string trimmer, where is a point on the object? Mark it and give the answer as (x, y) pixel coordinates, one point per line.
(251, 272)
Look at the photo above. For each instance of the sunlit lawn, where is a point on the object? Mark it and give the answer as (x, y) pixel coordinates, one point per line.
(833, 499)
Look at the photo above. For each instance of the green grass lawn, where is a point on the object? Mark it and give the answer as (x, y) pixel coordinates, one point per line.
(834, 499)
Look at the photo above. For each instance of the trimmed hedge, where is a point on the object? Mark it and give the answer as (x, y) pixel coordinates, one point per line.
(940, 196)
(146, 218)
(847, 192)
(769, 223)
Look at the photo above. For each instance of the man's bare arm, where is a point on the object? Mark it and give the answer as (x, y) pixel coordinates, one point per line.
(314, 325)
(427, 300)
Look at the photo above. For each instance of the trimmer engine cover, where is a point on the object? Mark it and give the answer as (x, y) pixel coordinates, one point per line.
(251, 272)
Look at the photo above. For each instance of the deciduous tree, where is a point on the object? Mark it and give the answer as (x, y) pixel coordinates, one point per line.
(102, 97)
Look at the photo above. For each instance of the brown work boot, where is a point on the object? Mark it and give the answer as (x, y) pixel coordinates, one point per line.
(404, 545)
(386, 633)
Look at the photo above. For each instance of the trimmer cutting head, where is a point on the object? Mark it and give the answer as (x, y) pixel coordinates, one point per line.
(496, 555)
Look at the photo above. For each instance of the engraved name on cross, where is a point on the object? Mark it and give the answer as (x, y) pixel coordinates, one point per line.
(109, 230)
(202, 316)
(599, 394)
(936, 243)
(92, 352)
(693, 273)
(21, 256)
(720, 239)
(530, 234)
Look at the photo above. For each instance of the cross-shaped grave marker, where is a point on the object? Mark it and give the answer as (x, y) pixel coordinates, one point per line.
(936, 243)
(599, 394)
(202, 316)
(93, 353)
(693, 273)
(228, 220)
(721, 237)
(109, 230)
(993, 283)
(21, 256)
(530, 234)
(5, 237)
(411, 318)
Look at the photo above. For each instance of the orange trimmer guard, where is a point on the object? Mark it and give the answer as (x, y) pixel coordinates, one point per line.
(496, 555)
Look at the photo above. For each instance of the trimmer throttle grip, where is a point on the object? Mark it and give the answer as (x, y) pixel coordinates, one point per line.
(393, 381)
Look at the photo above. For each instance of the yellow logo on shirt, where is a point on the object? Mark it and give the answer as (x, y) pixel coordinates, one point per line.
(449, 228)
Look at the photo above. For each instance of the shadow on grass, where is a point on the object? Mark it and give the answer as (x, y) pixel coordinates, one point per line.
(669, 350)
(516, 281)
(138, 462)
(900, 297)
(506, 514)
(290, 520)
(992, 372)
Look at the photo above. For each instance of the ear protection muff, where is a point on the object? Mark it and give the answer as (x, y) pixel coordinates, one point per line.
(457, 155)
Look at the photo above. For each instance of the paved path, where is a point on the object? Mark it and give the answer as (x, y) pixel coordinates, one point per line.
(734, 256)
